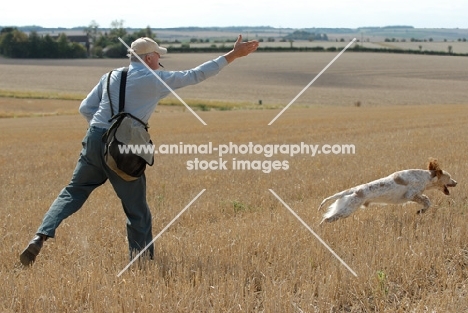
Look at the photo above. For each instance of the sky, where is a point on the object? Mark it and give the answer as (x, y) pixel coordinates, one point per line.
(205, 13)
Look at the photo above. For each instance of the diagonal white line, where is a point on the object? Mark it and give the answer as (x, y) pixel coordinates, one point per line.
(313, 80)
(313, 233)
(164, 83)
(160, 233)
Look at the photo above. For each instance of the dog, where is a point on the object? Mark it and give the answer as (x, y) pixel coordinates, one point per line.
(397, 188)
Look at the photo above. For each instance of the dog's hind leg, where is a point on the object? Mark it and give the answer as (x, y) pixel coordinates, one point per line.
(331, 217)
(336, 196)
(342, 208)
(424, 201)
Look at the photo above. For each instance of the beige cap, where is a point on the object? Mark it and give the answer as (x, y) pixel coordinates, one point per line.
(146, 45)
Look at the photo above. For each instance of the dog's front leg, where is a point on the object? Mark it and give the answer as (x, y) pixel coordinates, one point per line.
(424, 201)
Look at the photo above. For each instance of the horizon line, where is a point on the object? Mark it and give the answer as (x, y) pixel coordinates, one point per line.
(234, 26)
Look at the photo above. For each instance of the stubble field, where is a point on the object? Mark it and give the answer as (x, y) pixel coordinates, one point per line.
(237, 248)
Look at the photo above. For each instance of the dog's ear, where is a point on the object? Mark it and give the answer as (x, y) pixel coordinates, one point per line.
(433, 165)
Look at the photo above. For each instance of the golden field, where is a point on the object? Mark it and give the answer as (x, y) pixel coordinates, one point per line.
(237, 248)
(274, 78)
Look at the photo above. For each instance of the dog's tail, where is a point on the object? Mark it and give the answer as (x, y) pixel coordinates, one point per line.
(336, 196)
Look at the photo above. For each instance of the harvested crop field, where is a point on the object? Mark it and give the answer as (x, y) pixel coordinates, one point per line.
(274, 78)
(237, 248)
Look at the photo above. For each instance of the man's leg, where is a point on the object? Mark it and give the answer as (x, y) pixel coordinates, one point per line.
(139, 224)
(87, 176)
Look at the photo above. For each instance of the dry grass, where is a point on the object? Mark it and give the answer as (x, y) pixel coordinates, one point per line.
(237, 249)
(30, 107)
(13, 107)
(274, 78)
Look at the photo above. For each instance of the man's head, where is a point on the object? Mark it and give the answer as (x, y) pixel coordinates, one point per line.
(148, 50)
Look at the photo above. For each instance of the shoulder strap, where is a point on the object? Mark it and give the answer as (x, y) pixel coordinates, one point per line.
(108, 93)
(123, 83)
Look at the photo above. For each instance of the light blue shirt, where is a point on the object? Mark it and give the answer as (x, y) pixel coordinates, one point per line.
(143, 90)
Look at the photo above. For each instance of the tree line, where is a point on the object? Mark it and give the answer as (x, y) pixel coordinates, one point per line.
(105, 44)
(17, 44)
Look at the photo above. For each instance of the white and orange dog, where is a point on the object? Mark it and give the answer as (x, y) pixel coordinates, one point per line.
(397, 188)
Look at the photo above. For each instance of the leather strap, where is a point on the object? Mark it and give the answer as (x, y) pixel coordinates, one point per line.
(108, 93)
(123, 83)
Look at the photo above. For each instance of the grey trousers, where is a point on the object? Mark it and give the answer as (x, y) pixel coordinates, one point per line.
(92, 172)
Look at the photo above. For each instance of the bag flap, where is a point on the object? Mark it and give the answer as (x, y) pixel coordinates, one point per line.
(130, 134)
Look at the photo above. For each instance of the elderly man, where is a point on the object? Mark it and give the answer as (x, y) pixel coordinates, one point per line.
(143, 91)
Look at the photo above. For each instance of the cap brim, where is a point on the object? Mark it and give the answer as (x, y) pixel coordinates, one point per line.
(161, 50)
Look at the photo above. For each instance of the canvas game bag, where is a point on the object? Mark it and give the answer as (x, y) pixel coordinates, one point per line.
(126, 130)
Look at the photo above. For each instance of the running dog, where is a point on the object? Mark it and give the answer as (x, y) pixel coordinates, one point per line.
(397, 188)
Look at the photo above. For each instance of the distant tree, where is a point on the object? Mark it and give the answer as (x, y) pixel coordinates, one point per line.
(146, 32)
(92, 32)
(102, 41)
(116, 50)
(97, 52)
(108, 45)
(49, 48)
(6, 30)
(13, 43)
(305, 35)
(77, 51)
(35, 45)
(117, 30)
(111, 45)
(63, 45)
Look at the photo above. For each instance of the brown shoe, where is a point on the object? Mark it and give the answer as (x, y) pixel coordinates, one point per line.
(28, 256)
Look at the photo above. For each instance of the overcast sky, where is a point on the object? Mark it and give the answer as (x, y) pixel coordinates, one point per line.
(286, 13)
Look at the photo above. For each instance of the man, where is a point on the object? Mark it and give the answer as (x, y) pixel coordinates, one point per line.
(143, 91)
